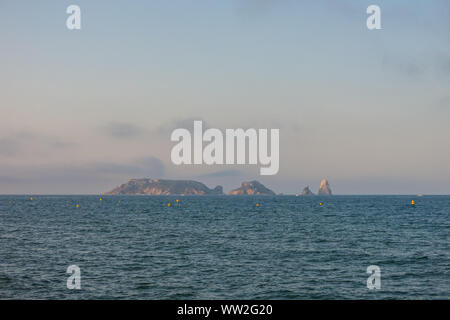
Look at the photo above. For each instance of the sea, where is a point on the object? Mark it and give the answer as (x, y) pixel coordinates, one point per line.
(224, 247)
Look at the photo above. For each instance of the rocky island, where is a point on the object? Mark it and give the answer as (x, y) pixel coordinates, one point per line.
(189, 187)
(324, 189)
(164, 187)
(307, 192)
(252, 188)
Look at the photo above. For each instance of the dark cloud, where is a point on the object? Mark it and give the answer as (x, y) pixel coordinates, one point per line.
(122, 130)
(95, 177)
(222, 173)
(16, 144)
(436, 65)
(154, 164)
(144, 167)
(167, 128)
(408, 67)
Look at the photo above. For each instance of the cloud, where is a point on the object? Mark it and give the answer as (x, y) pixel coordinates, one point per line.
(435, 64)
(143, 167)
(222, 173)
(94, 177)
(153, 164)
(405, 66)
(18, 143)
(122, 130)
(188, 123)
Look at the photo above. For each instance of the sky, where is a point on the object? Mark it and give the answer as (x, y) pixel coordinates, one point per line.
(82, 111)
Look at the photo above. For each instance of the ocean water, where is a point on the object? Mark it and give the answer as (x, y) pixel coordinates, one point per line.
(222, 247)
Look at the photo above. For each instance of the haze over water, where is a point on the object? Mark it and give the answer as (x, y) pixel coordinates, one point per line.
(84, 110)
(214, 247)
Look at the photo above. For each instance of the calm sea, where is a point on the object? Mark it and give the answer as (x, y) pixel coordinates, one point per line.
(285, 247)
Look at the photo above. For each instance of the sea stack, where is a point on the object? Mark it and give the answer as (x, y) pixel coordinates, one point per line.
(252, 188)
(307, 192)
(324, 189)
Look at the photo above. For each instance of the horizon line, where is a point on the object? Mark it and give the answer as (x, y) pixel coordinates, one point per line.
(225, 194)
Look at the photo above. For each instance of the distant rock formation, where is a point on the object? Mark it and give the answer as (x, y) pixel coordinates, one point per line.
(252, 188)
(307, 192)
(164, 187)
(324, 189)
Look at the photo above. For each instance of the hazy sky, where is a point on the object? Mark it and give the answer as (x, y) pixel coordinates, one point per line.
(83, 111)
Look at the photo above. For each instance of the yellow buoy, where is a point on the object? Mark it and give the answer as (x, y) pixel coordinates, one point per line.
(168, 204)
(77, 206)
(177, 200)
(31, 198)
(321, 203)
(101, 199)
(257, 204)
(413, 203)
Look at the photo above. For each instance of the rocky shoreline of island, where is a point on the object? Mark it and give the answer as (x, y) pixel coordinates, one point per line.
(147, 186)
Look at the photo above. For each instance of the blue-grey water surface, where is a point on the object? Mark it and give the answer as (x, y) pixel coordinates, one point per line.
(224, 247)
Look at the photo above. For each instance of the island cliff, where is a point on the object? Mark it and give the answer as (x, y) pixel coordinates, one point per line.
(252, 188)
(164, 187)
(307, 192)
(324, 189)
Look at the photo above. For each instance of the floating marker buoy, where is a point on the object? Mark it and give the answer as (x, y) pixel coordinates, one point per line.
(168, 204)
(413, 203)
(31, 198)
(177, 200)
(257, 204)
(320, 203)
(100, 199)
(77, 206)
